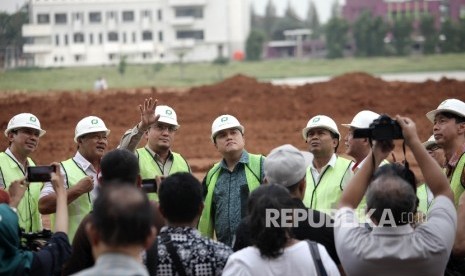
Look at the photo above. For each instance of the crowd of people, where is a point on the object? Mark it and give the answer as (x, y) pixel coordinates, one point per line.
(140, 211)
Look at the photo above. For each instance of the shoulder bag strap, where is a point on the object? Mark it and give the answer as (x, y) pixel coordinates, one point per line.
(320, 269)
(174, 255)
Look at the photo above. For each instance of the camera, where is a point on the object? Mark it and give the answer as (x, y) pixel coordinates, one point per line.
(40, 173)
(149, 185)
(35, 241)
(382, 129)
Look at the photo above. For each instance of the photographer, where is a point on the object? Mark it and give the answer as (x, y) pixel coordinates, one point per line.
(49, 260)
(394, 246)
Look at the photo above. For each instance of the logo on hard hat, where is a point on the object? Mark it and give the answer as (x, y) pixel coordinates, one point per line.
(316, 119)
(224, 119)
(94, 121)
(32, 119)
(168, 112)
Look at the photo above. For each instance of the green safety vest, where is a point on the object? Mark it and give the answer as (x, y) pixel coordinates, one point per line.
(326, 193)
(455, 182)
(80, 207)
(28, 210)
(422, 194)
(253, 176)
(149, 168)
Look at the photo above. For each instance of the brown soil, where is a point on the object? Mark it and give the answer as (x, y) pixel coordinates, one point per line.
(272, 115)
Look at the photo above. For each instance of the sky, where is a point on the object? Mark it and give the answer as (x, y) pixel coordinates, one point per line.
(300, 6)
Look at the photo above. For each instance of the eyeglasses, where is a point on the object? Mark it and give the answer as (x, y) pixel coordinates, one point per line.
(163, 127)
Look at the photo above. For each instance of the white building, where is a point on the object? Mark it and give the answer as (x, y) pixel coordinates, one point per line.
(101, 32)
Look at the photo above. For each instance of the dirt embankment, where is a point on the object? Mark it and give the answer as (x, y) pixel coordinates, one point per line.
(272, 115)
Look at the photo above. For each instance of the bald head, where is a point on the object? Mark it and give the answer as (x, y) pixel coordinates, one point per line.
(394, 194)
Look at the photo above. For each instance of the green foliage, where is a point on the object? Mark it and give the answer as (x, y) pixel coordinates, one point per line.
(122, 65)
(461, 35)
(157, 67)
(369, 35)
(283, 24)
(429, 33)
(451, 37)
(254, 45)
(402, 31)
(270, 18)
(221, 61)
(313, 20)
(336, 37)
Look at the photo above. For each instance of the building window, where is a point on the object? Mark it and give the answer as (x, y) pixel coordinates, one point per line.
(134, 38)
(113, 36)
(78, 58)
(55, 58)
(160, 15)
(146, 55)
(43, 18)
(100, 38)
(128, 16)
(77, 17)
(91, 39)
(147, 36)
(197, 35)
(61, 18)
(112, 56)
(190, 11)
(95, 17)
(57, 40)
(112, 16)
(160, 36)
(147, 14)
(66, 39)
(78, 38)
(124, 38)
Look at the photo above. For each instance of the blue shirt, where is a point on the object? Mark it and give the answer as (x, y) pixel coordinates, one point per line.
(229, 199)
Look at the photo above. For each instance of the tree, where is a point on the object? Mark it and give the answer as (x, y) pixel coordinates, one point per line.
(335, 9)
(461, 35)
(402, 31)
(336, 37)
(313, 21)
(369, 35)
(449, 37)
(122, 65)
(270, 18)
(284, 24)
(254, 45)
(11, 40)
(429, 33)
(254, 19)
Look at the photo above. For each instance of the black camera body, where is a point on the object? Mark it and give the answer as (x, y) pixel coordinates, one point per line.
(39, 173)
(149, 185)
(382, 129)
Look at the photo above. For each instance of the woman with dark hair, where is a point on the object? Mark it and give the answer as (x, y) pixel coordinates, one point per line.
(47, 261)
(274, 250)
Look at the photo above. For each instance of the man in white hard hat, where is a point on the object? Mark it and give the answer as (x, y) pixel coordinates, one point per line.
(328, 174)
(156, 159)
(449, 133)
(227, 185)
(23, 133)
(358, 148)
(81, 173)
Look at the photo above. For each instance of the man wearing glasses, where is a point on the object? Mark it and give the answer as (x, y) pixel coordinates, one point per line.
(156, 160)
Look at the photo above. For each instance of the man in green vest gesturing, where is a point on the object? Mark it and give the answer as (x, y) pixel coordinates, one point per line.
(23, 133)
(449, 132)
(156, 160)
(227, 185)
(80, 173)
(328, 173)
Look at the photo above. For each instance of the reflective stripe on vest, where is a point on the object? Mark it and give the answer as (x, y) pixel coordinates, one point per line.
(149, 168)
(253, 176)
(455, 182)
(80, 207)
(326, 194)
(28, 210)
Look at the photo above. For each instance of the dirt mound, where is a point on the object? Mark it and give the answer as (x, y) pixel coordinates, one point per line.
(272, 115)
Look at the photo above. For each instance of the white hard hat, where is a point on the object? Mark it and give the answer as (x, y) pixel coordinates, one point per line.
(431, 141)
(450, 105)
(321, 121)
(167, 115)
(225, 122)
(363, 119)
(90, 124)
(24, 120)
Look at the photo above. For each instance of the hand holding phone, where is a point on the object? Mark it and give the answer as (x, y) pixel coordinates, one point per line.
(39, 173)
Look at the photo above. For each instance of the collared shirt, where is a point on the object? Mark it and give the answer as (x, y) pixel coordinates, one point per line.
(332, 162)
(115, 264)
(88, 169)
(165, 166)
(400, 250)
(199, 255)
(227, 203)
(452, 163)
(9, 153)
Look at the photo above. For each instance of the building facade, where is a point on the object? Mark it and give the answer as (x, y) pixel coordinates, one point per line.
(389, 9)
(64, 33)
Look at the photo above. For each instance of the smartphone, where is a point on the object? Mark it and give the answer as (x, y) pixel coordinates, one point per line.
(149, 185)
(39, 173)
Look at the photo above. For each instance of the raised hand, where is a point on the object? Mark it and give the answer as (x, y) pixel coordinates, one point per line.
(147, 114)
